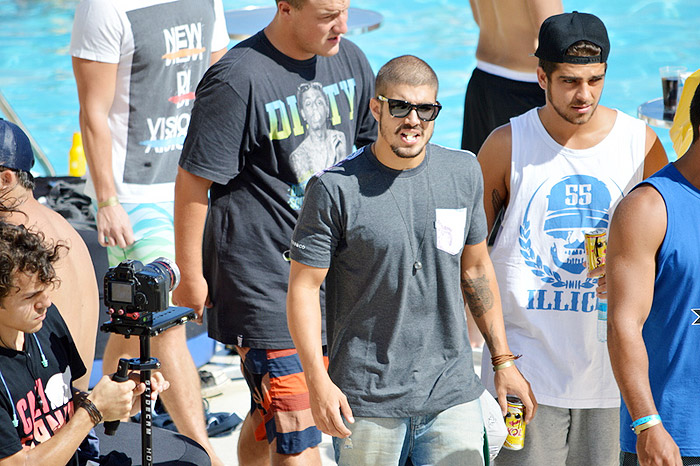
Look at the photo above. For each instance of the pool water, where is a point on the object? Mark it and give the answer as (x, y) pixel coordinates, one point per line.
(37, 79)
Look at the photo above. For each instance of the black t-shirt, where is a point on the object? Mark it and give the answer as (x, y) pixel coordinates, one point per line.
(38, 397)
(262, 125)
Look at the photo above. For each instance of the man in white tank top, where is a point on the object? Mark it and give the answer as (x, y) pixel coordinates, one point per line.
(558, 171)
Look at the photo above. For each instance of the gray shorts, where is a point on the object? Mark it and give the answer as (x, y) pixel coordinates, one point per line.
(568, 437)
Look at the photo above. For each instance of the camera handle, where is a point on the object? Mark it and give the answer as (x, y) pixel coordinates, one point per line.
(160, 321)
(120, 376)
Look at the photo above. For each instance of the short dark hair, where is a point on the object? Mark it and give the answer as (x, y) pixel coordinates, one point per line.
(24, 178)
(581, 48)
(406, 69)
(22, 250)
(296, 4)
(695, 114)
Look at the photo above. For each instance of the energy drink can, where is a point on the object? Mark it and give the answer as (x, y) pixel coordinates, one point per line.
(515, 424)
(596, 244)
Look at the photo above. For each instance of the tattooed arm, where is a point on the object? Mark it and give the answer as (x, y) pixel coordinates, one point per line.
(483, 300)
(494, 158)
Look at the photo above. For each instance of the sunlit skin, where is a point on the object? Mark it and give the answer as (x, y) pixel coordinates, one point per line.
(316, 28)
(24, 309)
(574, 91)
(402, 141)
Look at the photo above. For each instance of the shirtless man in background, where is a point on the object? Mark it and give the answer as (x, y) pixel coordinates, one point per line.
(504, 82)
(77, 297)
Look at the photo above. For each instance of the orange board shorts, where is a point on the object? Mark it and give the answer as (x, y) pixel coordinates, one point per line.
(280, 407)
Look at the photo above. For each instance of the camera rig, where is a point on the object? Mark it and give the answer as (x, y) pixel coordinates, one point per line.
(137, 298)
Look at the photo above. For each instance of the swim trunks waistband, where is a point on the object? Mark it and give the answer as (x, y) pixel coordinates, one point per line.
(506, 73)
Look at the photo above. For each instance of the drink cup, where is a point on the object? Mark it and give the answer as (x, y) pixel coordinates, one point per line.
(670, 86)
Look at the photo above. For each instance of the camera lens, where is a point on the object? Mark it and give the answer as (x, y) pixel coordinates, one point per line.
(167, 269)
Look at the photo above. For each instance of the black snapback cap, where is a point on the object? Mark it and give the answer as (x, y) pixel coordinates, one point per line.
(559, 32)
(15, 149)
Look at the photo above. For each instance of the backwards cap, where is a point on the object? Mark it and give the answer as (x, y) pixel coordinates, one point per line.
(15, 149)
(559, 32)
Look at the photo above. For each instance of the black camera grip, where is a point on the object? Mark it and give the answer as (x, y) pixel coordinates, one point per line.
(119, 376)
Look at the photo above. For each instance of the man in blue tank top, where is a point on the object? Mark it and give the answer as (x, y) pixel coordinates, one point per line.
(654, 320)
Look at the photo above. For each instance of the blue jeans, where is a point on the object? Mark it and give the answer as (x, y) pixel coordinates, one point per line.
(454, 436)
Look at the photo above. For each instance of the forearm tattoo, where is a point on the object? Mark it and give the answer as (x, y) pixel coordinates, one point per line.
(477, 292)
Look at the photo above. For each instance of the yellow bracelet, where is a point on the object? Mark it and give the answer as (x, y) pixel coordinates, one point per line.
(503, 365)
(642, 427)
(108, 202)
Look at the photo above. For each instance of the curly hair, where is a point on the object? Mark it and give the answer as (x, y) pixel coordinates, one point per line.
(22, 250)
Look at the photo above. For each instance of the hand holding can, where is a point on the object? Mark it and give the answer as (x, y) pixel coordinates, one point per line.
(515, 424)
(596, 244)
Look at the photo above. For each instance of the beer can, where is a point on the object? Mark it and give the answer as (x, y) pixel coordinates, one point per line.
(596, 244)
(515, 424)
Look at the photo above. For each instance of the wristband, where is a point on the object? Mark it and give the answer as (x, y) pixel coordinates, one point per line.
(643, 423)
(503, 365)
(87, 404)
(108, 202)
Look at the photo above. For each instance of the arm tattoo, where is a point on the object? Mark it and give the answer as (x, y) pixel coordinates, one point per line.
(478, 294)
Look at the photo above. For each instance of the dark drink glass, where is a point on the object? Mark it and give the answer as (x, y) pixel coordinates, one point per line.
(670, 88)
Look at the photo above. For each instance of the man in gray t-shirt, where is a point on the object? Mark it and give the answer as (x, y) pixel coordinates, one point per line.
(394, 230)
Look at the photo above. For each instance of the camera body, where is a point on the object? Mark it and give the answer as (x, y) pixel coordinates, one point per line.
(134, 291)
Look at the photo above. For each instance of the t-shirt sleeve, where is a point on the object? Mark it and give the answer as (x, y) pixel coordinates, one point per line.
(220, 38)
(97, 32)
(213, 145)
(77, 367)
(367, 125)
(317, 231)
(477, 223)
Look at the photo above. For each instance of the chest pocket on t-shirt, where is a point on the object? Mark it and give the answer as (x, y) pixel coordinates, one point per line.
(449, 229)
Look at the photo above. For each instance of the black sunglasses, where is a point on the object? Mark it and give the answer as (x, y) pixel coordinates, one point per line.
(401, 108)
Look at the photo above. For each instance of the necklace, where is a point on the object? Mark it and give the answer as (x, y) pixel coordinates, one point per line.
(417, 264)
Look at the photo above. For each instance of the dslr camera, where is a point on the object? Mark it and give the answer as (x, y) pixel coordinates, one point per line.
(137, 295)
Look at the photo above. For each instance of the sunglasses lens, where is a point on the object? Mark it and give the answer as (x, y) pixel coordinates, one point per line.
(399, 108)
(427, 112)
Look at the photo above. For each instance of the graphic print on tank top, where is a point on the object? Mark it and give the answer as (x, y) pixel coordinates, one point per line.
(552, 247)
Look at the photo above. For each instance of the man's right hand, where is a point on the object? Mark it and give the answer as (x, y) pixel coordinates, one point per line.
(114, 227)
(114, 399)
(655, 447)
(192, 292)
(327, 405)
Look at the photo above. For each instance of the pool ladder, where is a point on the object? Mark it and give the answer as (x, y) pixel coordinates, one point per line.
(39, 155)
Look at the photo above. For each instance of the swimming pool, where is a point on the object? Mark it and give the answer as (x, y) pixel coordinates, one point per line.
(36, 75)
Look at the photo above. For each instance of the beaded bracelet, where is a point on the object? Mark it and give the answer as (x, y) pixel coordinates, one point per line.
(643, 423)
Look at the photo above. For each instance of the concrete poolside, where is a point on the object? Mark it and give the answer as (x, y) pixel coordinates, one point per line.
(236, 398)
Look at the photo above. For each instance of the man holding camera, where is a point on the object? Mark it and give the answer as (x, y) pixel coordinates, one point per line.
(43, 419)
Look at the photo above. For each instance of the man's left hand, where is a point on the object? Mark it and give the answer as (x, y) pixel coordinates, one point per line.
(509, 381)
